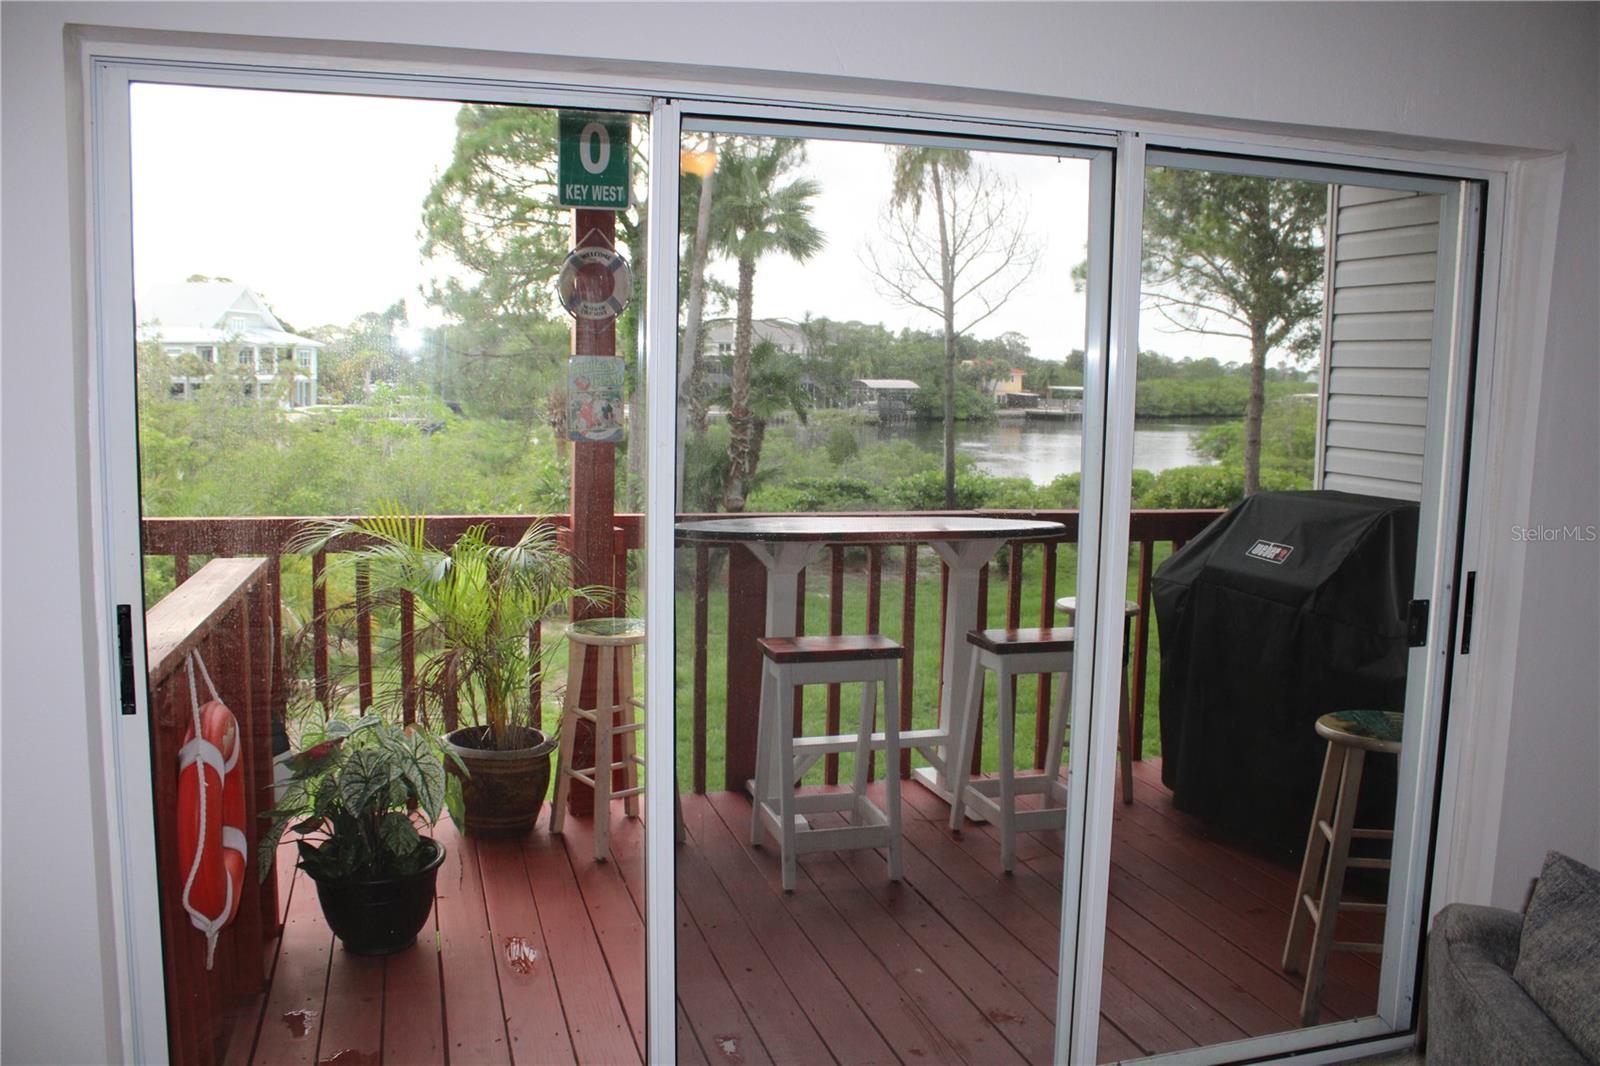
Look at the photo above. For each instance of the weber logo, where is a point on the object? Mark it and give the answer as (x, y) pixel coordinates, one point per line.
(1269, 552)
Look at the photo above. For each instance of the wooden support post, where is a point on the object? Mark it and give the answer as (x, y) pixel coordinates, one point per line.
(747, 621)
(594, 484)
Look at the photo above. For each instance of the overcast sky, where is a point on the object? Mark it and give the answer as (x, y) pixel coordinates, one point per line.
(314, 201)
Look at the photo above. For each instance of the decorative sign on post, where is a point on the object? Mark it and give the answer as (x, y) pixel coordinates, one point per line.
(594, 283)
(593, 165)
(594, 398)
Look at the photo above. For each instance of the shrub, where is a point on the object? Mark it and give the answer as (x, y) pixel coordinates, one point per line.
(841, 446)
(927, 403)
(1010, 493)
(817, 494)
(1288, 438)
(1063, 491)
(1210, 486)
(925, 491)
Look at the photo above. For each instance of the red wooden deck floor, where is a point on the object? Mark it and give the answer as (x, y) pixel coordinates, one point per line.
(536, 953)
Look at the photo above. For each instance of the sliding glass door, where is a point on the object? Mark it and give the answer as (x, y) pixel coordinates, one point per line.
(376, 378)
(891, 352)
(986, 553)
(1290, 587)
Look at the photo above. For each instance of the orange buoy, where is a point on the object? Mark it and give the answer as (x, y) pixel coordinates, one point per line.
(211, 841)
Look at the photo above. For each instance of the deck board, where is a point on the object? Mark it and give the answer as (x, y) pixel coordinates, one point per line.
(292, 1017)
(618, 924)
(535, 1021)
(352, 1027)
(955, 963)
(474, 1022)
(413, 1009)
(870, 985)
(596, 1020)
(807, 972)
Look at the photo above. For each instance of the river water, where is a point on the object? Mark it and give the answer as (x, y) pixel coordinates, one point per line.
(1039, 450)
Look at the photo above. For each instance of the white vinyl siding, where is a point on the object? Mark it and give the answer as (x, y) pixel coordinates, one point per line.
(1377, 349)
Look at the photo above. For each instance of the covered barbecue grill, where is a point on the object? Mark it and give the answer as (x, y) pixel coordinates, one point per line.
(1290, 606)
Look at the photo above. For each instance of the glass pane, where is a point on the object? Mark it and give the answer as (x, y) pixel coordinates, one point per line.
(381, 504)
(1269, 574)
(834, 294)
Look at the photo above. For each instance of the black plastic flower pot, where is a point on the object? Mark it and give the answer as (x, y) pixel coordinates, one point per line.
(380, 917)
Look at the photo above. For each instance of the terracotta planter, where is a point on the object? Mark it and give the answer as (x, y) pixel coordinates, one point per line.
(505, 789)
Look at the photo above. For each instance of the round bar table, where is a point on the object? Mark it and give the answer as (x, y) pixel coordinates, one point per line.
(787, 544)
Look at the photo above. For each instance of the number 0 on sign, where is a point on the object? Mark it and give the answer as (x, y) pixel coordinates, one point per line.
(593, 164)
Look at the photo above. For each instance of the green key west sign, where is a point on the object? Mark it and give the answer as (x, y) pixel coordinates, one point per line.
(593, 170)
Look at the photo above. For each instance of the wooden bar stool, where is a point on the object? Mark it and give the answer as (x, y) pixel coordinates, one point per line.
(613, 640)
(1127, 743)
(1350, 736)
(1011, 653)
(782, 758)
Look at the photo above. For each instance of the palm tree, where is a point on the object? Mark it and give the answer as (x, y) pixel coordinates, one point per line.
(754, 216)
(475, 605)
(919, 169)
(776, 385)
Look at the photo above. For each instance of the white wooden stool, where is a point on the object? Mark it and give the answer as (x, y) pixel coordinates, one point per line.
(1350, 736)
(782, 758)
(1011, 653)
(613, 640)
(1127, 743)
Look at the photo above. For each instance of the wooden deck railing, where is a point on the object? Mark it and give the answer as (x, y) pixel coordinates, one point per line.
(743, 583)
(222, 615)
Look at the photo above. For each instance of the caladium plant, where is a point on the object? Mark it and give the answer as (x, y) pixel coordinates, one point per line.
(358, 796)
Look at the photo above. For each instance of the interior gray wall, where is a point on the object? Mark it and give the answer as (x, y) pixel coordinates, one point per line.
(1500, 74)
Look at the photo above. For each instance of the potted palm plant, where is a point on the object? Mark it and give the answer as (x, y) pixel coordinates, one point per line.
(475, 605)
(358, 797)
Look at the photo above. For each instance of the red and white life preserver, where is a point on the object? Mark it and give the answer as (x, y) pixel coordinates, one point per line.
(212, 846)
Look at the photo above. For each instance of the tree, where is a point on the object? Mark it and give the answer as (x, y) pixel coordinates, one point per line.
(776, 385)
(360, 354)
(691, 404)
(493, 212)
(757, 213)
(1238, 256)
(976, 256)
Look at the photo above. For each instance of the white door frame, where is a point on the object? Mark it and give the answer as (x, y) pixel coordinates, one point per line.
(110, 63)
(661, 405)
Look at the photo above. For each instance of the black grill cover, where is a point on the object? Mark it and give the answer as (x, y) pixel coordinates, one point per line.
(1291, 605)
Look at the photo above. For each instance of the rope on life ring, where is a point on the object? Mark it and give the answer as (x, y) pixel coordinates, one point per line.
(212, 845)
(621, 283)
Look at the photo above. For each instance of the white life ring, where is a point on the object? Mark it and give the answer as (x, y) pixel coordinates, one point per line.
(621, 284)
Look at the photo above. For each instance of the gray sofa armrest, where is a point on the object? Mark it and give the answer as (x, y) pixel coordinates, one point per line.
(1477, 1013)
